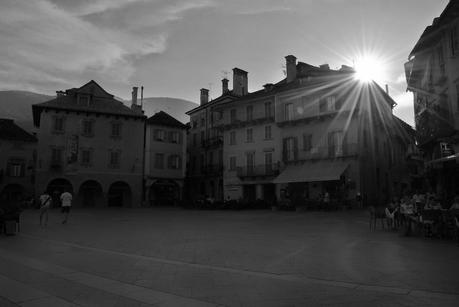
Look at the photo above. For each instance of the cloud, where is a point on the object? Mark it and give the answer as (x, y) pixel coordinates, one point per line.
(54, 45)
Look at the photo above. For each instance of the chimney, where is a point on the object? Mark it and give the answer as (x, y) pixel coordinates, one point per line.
(240, 82)
(204, 96)
(291, 67)
(134, 95)
(225, 86)
(268, 87)
(324, 67)
(387, 89)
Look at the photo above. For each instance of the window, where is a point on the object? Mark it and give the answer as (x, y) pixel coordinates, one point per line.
(114, 159)
(116, 130)
(87, 127)
(454, 40)
(83, 100)
(195, 139)
(327, 104)
(56, 156)
(288, 111)
(233, 116)
(268, 109)
(232, 163)
(268, 162)
(174, 162)
(174, 137)
(203, 122)
(250, 135)
(232, 138)
(441, 60)
(58, 124)
(202, 137)
(250, 156)
(335, 143)
(159, 135)
(16, 168)
(159, 160)
(267, 132)
(307, 142)
(249, 113)
(290, 149)
(86, 157)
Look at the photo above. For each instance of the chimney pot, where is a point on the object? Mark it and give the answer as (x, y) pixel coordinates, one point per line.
(225, 86)
(290, 64)
(134, 95)
(204, 96)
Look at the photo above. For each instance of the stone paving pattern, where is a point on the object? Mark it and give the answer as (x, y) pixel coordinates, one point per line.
(173, 257)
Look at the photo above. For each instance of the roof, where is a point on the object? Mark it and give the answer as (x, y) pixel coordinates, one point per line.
(163, 119)
(228, 95)
(12, 132)
(312, 172)
(101, 103)
(429, 35)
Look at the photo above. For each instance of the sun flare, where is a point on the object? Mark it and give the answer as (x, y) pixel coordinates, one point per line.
(369, 68)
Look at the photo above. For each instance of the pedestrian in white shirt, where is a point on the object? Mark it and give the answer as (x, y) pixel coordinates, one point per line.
(66, 200)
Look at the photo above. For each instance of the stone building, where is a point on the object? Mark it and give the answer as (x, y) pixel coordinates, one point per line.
(318, 130)
(92, 145)
(432, 74)
(205, 143)
(17, 162)
(165, 159)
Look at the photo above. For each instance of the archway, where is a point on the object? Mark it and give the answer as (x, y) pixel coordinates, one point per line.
(56, 187)
(12, 193)
(90, 194)
(119, 195)
(164, 193)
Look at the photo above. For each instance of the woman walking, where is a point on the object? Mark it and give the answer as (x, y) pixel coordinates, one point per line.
(45, 203)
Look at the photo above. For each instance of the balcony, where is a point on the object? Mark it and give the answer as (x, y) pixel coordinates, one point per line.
(212, 169)
(262, 170)
(56, 166)
(212, 142)
(237, 123)
(325, 152)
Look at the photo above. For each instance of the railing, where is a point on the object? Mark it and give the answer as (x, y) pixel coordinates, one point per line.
(261, 170)
(212, 142)
(212, 169)
(326, 152)
(238, 123)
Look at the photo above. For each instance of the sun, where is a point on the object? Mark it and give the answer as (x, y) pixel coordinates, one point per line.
(369, 68)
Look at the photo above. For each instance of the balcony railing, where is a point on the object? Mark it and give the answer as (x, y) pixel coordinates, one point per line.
(212, 169)
(324, 152)
(262, 170)
(212, 142)
(241, 123)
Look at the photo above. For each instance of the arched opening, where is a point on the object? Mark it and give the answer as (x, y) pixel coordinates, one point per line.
(119, 195)
(164, 193)
(12, 193)
(90, 194)
(56, 187)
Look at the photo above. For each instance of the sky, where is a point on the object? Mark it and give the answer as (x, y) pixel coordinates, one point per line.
(175, 47)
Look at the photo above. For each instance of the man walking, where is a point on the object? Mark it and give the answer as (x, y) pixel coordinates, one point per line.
(45, 203)
(66, 200)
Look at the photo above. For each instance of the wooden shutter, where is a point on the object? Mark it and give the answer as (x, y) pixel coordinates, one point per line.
(295, 148)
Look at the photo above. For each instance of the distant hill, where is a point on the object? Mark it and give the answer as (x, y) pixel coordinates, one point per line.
(17, 105)
(173, 106)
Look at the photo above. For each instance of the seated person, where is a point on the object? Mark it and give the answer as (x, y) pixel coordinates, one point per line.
(406, 207)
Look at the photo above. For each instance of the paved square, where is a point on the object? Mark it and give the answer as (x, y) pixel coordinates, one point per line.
(173, 257)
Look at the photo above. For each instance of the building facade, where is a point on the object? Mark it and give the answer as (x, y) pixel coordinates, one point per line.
(318, 130)
(165, 159)
(432, 74)
(91, 145)
(17, 162)
(205, 142)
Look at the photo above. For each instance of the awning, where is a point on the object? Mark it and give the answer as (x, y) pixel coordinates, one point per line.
(312, 172)
(454, 157)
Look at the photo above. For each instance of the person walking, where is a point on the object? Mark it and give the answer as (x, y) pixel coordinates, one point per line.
(45, 204)
(66, 200)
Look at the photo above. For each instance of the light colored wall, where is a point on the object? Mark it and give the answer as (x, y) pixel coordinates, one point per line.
(130, 144)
